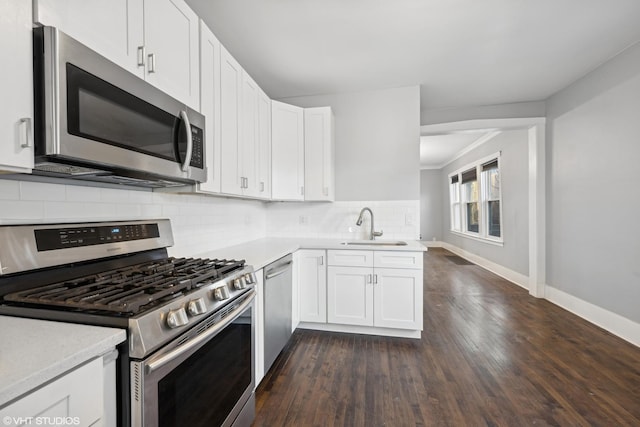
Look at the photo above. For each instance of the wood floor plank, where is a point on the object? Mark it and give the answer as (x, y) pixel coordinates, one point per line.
(489, 355)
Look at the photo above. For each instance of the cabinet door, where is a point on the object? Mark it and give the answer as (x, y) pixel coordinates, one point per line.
(398, 298)
(171, 43)
(264, 145)
(78, 394)
(318, 154)
(112, 28)
(210, 106)
(287, 151)
(16, 81)
(230, 84)
(249, 136)
(312, 280)
(350, 295)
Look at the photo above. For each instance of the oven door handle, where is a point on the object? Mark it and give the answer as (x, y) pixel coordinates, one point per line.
(156, 363)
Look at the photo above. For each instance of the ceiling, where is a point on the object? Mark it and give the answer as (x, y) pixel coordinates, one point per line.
(462, 53)
(436, 151)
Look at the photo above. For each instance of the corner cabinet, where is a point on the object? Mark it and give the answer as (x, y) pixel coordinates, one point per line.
(16, 110)
(287, 155)
(319, 154)
(155, 39)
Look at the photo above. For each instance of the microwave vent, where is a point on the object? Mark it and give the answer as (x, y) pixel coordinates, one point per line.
(67, 169)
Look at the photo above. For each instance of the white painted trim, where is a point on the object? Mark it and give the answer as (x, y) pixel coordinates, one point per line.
(610, 321)
(365, 330)
(487, 124)
(477, 238)
(537, 210)
(504, 272)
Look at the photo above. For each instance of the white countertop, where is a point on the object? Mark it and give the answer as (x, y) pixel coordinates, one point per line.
(262, 252)
(36, 351)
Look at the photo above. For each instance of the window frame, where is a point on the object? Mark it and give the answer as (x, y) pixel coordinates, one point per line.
(483, 201)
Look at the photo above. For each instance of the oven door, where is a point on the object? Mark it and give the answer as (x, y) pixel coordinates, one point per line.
(203, 378)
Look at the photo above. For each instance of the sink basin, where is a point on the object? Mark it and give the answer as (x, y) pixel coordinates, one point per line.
(374, 243)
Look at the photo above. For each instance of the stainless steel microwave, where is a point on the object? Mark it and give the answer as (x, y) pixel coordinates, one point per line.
(95, 121)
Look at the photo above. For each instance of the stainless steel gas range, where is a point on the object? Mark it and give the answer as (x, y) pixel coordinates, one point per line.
(188, 358)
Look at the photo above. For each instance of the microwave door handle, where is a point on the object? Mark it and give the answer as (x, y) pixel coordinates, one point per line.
(187, 157)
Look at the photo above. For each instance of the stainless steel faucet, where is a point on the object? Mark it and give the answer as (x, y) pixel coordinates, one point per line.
(372, 234)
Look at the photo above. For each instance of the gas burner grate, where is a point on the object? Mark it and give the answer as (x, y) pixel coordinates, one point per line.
(129, 290)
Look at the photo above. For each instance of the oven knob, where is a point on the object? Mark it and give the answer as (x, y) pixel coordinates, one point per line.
(221, 293)
(239, 283)
(196, 307)
(177, 318)
(250, 278)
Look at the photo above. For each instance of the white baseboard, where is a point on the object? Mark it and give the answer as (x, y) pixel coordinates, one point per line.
(504, 272)
(365, 330)
(626, 329)
(608, 320)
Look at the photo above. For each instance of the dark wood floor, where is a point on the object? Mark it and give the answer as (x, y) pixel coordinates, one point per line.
(490, 355)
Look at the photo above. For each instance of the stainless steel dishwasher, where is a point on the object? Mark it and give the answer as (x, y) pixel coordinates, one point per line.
(277, 308)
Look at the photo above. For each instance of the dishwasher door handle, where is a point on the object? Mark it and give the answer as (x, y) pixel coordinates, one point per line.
(271, 274)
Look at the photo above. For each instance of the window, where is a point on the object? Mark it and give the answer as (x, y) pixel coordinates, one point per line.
(475, 196)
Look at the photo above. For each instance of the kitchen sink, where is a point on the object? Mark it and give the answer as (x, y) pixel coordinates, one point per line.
(374, 243)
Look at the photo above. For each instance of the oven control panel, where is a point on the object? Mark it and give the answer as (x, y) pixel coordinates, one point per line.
(73, 237)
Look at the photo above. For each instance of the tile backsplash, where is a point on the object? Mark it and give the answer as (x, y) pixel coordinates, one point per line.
(199, 223)
(203, 223)
(399, 219)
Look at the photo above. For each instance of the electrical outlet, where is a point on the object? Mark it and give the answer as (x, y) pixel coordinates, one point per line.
(303, 219)
(408, 219)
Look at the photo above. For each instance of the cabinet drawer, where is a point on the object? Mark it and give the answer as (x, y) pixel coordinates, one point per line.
(350, 258)
(397, 259)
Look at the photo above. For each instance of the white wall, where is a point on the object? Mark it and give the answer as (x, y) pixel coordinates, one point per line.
(432, 197)
(377, 142)
(514, 255)
(199, 223)
(593, 202)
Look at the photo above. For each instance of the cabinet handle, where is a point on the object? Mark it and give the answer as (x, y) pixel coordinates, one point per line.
(152, 63)
(261, 186)
(302, 191)
(25, 135)
(375, 279)
(321, 260)
(368, 278)
(141, 55)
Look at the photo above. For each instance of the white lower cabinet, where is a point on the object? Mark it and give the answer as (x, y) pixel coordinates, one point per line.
(259, 329)
(312, 283)
(75, 398)
(378, 289)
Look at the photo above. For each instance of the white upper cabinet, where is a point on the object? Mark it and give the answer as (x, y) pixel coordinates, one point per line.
(171, 49)
(210, 106)
(155, 39)
(319, 149)
(230, 90)
(16, 84)
(249, 136)
(287, 151)
(264, 146)
(112, 28)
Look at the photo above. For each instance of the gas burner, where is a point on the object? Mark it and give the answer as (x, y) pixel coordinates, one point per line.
(132, 289)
